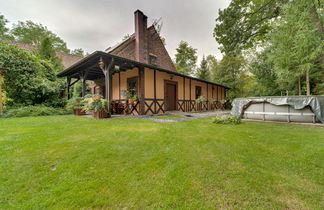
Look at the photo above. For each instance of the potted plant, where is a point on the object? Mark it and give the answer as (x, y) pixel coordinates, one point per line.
(131, 96)
(97, 105)
(200, 99)
(76, 104)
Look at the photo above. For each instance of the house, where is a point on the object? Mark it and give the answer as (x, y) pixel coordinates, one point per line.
(142, 64)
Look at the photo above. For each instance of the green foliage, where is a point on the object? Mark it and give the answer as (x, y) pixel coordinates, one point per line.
(245, 23)
(78, 52)
(47, 52)
(286, 38)
(200, 99)
(262, 68)
(185, 58)
(33, 33)
(3, 28)
(29, 80)
(75, 103)
(231, 72)
(32, 111)
(227, 119)
(203, 71)
(95, 103)
(296, 45)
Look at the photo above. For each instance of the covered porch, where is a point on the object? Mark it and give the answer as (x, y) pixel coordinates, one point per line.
(158, 90)
(102, 66)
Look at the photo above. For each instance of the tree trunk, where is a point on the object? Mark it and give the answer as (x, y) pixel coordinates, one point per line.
(307, 83)
(299, 87)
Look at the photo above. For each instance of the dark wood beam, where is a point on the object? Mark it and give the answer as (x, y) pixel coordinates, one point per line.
(141, 77)
(154, 91)
(83, 78)
(68, 82)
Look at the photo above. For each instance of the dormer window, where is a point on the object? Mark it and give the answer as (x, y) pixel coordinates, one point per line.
(152, 59)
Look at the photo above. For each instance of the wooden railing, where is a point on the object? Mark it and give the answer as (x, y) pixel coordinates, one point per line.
(157, 106)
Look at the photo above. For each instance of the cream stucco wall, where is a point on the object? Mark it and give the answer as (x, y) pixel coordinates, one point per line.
(119, 83)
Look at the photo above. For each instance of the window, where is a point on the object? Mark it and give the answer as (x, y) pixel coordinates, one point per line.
(198, 91)
(152, 59)
(132, 85)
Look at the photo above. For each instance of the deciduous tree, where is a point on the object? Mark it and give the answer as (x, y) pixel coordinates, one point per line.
(185, 58)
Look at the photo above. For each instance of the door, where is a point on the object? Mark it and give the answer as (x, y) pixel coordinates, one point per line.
(170, 96)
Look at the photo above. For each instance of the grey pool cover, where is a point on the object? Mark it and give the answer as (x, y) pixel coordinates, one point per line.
(297, 102)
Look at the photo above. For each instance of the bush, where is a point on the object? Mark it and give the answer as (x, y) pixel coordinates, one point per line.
(39, 110)
(75, 103)
(227, 119)
(95, 103)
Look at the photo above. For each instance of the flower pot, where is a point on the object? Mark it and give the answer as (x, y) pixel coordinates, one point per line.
(79, 112)
(101, 114)
(131, 101)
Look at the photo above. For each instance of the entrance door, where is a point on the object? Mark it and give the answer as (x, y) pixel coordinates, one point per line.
(170, 96)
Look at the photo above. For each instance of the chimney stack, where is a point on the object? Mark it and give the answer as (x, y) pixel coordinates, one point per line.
(140, 36)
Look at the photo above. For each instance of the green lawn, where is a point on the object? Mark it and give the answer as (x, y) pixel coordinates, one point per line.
(169, 116)
(78, 162)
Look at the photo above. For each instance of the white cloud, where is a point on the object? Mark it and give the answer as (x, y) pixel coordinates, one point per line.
(97, 24)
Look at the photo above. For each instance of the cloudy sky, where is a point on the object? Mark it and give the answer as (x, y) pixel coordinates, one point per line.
(98, 24)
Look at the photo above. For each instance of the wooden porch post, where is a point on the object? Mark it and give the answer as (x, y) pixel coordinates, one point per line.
(83, 78)
(1, 102)
(68, 87)
(155, 92)
(107, 72)
(141, 90)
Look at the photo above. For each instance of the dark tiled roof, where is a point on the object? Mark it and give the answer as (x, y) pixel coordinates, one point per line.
(126, 49)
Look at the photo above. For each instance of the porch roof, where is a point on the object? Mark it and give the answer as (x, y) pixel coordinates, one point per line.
(90, 63)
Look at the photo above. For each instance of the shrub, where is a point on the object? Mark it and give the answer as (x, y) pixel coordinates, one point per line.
(95, 103)
(200, 99)
(29, 80)
(39, 110)
(227, 119)
(75, 103)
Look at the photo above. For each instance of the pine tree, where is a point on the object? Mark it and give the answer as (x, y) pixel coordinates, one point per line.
(203, 71)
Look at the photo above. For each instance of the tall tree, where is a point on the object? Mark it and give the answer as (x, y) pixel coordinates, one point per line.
(32, 33)
(244, 23)
(203, 71)
(231, 72)
(185, 58)
(297, 46)
(3, 28)
(47, 52)
(262, 68)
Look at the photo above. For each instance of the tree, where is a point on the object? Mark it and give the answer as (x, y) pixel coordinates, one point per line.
(28, 80)
(262, 68)
(203, 71)
(32, 33)
(47, 52)
(78, 52)
(231, 72)
(185, 58)
(245, 23)
(3, 28)
(297, 46)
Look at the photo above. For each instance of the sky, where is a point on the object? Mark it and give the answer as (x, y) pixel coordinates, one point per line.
(98, 24)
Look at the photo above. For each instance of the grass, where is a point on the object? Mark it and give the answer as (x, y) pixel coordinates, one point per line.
(77, 162)
(169, 116)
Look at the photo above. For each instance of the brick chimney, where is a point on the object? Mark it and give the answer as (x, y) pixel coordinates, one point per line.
(140, 36)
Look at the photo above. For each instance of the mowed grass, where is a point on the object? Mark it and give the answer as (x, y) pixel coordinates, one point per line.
(78, 162)
(169, 116)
